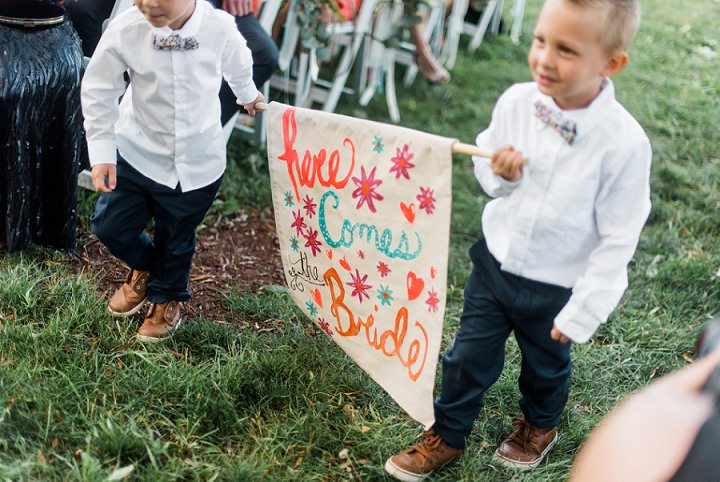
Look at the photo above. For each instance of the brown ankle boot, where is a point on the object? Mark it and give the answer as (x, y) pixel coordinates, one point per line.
(526, 447)
(417, 462)
(131, 295)
(162, 319)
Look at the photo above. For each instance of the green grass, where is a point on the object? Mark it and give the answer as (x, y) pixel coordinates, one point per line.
(217, 402)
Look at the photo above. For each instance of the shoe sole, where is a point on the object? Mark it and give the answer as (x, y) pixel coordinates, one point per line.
(154, 339)
(401, 474)
(525, 465)
(121, 314)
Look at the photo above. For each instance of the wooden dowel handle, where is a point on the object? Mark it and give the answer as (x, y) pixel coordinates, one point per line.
(457, 147)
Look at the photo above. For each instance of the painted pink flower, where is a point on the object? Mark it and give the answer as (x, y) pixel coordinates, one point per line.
(358, 285)
(432, 301)
(310, 206)
(402, 163)
(312, 241)
(361, 254)
(383, 269)
(325, 326)
(366, 190)
(299, 222)
(427, 201)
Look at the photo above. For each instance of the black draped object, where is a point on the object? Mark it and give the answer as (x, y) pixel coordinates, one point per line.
(41, 64)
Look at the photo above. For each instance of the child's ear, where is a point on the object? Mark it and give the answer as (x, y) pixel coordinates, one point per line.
(616, 63)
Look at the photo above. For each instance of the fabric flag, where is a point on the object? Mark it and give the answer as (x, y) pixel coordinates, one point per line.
(362, 211)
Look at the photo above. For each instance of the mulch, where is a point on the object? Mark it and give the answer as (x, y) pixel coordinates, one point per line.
(234, 255)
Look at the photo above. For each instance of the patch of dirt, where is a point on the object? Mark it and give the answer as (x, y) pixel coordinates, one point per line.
(232, 256)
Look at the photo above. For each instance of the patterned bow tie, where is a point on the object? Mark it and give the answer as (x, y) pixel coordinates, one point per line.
(174, 42)
(566, 128)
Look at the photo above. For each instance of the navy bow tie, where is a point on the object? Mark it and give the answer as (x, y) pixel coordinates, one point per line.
(174, 42)
(565, 127)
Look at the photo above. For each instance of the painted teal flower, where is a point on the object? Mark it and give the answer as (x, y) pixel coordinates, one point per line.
(378, 145)
(289, 199)
(312, 309)
(294, 244)
(385, 295)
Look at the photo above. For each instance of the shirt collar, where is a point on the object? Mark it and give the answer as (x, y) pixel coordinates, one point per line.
(191, 26)
(585, 119)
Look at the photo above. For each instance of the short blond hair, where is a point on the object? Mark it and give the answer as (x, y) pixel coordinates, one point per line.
(621, 21)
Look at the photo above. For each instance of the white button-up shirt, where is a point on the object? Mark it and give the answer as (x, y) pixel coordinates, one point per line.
(575, 216)
(167, 125)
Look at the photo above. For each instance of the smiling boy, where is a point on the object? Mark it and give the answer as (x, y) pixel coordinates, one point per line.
(160, 154)
(569, 178)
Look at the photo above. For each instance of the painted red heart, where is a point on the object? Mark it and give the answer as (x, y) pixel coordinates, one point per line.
(408, 211)
(415, 286)
(343, 262)
(317, 296)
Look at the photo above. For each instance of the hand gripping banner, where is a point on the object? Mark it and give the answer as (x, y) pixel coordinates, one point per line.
(363, 215)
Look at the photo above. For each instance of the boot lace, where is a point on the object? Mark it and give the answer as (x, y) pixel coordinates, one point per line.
(429, 444)
(522, 434)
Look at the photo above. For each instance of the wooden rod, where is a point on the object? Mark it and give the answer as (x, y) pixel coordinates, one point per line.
(457, 147)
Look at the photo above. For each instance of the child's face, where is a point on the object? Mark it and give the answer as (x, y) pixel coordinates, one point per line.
(166, 13)
(567, 58)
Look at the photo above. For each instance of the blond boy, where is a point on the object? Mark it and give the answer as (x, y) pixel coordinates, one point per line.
(570, 182)
(160, 153)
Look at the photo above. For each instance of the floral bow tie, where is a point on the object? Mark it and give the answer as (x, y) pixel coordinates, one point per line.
(566, 128)
(174, 42)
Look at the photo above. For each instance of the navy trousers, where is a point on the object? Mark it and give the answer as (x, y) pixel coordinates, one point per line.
(122, 215)
(496, 303)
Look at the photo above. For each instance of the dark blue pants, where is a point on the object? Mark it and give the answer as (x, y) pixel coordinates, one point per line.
(122, 215)
(496, 303)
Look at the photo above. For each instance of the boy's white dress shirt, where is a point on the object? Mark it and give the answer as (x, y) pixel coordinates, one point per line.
(575, 216)
(167, 125)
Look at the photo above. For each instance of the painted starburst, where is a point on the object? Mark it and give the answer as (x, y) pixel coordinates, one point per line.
(294, 244)
(312, 241)
(385, 295)
(378, 145)
(299, 223)
(310, 206)
(432, 301)
(358, 285)
(361, 254)
(366, 190)
(325, 326)
(312, 309)
(427, 200)
(383, 269)
(289, 199)
(402, 162)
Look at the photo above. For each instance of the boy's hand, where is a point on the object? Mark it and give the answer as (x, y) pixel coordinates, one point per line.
(557, 335)
(238, 8)
(508, 163)
(250, 108)
(104, 177)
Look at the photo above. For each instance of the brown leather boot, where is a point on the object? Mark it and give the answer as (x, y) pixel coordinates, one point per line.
(418, 461)
(526, 447)
(131, 295)
(162, 319)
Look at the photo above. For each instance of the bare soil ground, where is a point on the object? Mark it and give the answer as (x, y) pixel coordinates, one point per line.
(232, 256)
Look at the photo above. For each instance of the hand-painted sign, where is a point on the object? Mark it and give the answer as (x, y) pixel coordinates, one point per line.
(363, 213)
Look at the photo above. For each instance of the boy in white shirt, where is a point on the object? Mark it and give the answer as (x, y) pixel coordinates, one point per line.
(570, 177)
(161, 153)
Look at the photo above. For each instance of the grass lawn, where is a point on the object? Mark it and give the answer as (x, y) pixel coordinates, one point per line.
(77, 402)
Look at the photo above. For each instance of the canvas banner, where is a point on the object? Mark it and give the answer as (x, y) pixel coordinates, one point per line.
(362, 211)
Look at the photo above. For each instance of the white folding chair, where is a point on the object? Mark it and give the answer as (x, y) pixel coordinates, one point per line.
(300, 72)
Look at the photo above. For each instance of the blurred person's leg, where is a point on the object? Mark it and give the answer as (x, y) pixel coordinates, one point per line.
(87, 16)
(264, 55)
